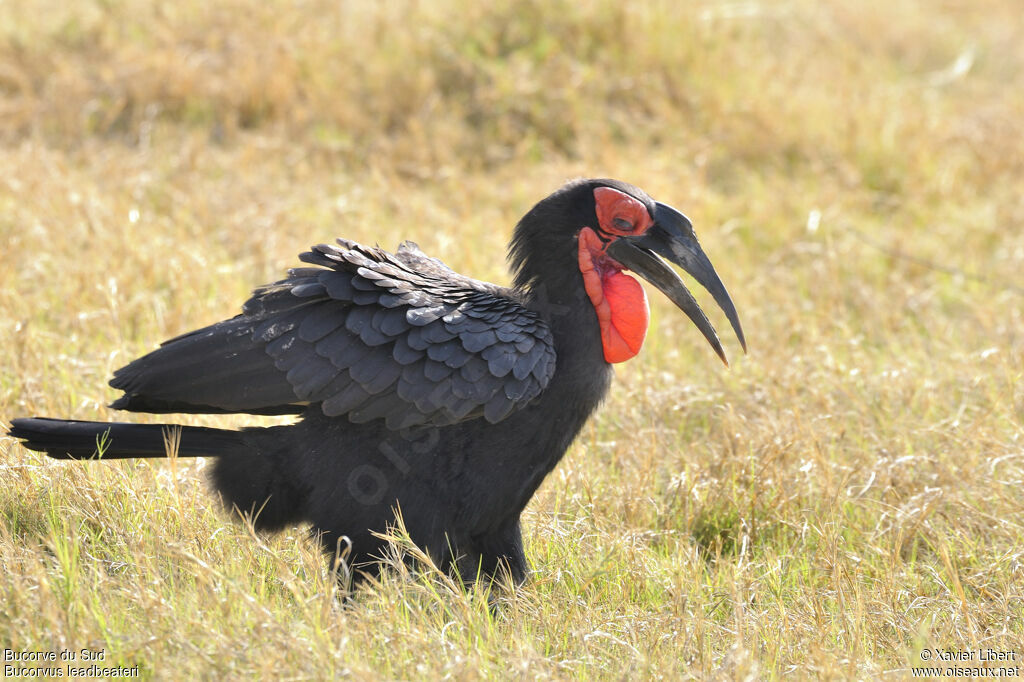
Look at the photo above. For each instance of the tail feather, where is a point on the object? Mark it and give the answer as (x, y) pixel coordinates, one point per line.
(71, 439)
(248, 476)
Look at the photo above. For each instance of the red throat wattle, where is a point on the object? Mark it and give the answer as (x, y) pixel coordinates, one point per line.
(618, 299)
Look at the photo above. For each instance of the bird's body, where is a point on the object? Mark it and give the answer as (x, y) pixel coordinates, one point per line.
(417, 389)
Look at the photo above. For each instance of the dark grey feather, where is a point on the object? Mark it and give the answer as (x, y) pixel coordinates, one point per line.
(361, 332)
(307, 290)
(497, 408)
(442, 351)
(501, 358)
(335, 343)
(459, 357)
(403, 353)
(475, 342)
(359, 317)
(347, 400)
(435, 371)
(390, 322)
(318, 324)
(337, 284)
(473, 371)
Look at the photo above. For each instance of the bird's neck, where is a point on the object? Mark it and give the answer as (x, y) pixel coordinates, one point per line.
(561, 300)
(588, 295)
(581, 378)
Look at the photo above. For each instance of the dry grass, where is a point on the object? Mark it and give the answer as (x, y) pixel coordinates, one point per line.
(845, 496)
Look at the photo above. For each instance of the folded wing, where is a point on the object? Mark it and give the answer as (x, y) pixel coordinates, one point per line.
(364, 333)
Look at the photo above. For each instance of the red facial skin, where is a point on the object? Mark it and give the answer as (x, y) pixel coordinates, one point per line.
(618, 299)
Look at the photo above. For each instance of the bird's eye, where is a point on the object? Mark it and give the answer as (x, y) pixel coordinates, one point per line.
(623, 224)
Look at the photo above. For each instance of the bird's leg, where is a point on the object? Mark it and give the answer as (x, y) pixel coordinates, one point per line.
(351, 559)
(498, 555)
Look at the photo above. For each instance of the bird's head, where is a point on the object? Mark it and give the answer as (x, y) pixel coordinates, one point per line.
(607, 227)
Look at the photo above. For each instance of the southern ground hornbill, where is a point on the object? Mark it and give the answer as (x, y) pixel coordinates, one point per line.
(419, 389)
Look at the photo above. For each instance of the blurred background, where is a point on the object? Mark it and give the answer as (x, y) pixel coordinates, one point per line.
(844, 496)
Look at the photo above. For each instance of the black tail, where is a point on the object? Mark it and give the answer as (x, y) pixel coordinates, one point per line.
(69, 439)
(246, 477)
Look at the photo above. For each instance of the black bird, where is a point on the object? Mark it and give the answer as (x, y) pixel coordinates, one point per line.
(418, 388)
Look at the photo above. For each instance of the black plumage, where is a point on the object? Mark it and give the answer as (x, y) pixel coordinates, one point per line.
(305, 339)
(418, 388)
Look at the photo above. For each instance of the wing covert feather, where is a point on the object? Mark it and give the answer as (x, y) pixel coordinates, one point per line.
(360, 332)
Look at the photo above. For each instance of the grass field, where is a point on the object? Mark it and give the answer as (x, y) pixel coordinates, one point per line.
(843, 502)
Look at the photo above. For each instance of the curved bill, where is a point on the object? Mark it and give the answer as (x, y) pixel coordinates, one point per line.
(672, 237)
